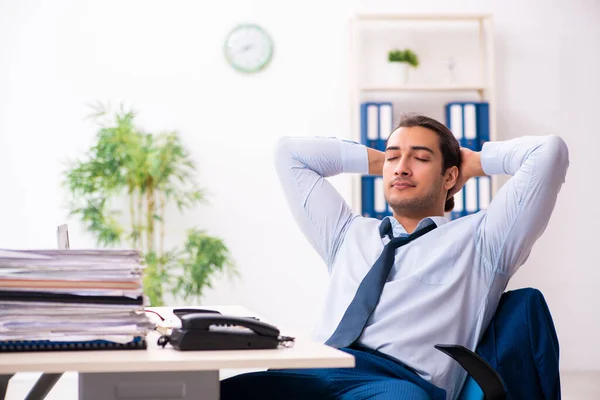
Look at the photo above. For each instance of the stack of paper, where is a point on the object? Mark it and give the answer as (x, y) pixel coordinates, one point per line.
(71, 299)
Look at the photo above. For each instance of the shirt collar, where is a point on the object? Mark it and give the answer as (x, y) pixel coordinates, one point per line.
(398, 229)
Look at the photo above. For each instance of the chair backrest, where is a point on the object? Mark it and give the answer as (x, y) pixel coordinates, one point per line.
(521, 345)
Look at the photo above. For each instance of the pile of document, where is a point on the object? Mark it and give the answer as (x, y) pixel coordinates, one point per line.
(71, 299)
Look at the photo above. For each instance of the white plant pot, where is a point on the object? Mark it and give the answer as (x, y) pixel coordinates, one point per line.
(399, 72)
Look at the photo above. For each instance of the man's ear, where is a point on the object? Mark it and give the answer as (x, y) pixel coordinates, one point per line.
(451, 177)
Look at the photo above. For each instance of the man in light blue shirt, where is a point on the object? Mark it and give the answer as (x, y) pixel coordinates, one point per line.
(443, 287)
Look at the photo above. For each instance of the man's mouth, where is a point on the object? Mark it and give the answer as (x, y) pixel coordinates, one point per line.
(401, 185)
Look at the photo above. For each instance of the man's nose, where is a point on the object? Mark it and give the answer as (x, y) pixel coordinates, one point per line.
(403, 168)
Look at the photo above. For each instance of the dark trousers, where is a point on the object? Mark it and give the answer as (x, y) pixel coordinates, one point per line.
(375, 376)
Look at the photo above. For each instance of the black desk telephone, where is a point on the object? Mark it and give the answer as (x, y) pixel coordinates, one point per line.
(210, 330)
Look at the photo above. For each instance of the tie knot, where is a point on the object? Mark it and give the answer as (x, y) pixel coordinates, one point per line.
(399, 241)
(385, 228)
(405, 238)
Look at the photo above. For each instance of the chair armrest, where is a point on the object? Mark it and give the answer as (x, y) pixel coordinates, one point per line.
(486, 377)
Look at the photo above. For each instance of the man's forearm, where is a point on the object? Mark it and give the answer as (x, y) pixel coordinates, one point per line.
(325, 156)
(376, 159)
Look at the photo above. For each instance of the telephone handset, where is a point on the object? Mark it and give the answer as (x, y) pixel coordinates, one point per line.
(212, 331)
(180, 312)
(204, 322)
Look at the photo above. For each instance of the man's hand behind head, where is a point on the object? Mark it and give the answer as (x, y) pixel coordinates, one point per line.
(470, 167)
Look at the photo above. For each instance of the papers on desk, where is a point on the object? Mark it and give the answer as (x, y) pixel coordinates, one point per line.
(71, 299)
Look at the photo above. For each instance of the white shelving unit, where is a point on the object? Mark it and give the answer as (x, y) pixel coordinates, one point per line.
(426, 88)
(478, 84)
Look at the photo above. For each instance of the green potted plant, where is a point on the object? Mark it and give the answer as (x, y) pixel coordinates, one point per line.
(144, 173)
(403, 59)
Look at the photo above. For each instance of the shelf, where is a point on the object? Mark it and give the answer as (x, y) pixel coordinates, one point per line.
(424, 88)
(426, 17)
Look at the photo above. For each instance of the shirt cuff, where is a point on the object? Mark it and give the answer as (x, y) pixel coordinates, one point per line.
(354, 158)
(491, 158)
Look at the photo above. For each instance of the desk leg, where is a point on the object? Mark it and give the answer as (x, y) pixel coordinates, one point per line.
(4, 379)
(172, 385)
(43, 386)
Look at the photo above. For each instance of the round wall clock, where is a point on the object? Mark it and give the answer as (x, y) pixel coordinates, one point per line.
(248, 48)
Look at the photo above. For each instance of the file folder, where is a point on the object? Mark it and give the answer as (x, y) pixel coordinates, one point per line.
(369, 115)
(65, 298)
(368, 196)
(469, 122)
(385, 123)
(454, 121)
(459, 205)
(483, 124)
(470, 127)
(471, 196)
(376, 126)
(380, 203)
(484, 192)
(373, 199)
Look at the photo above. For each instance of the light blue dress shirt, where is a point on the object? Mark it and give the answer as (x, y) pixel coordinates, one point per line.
(444, 287)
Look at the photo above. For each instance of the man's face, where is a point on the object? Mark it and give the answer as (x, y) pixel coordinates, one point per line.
(412, 172)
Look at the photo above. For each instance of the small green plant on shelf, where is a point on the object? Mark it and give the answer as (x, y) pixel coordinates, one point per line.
(406, 56)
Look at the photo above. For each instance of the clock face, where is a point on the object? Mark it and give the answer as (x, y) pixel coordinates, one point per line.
(248, 48)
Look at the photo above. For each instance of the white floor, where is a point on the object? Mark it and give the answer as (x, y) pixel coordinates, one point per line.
(575, 386)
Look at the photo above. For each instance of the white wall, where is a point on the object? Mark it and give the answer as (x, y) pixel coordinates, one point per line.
(165, 59)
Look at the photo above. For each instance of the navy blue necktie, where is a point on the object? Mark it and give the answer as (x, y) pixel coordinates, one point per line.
(368, 292)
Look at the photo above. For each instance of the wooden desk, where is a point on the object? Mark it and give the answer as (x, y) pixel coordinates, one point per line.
(161, 373)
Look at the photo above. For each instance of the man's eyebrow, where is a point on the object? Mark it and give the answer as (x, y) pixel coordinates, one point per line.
(412, 148)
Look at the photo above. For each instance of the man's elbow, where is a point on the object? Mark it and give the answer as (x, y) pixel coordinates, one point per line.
(281, 148)
(284, 154)
(558, 154)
